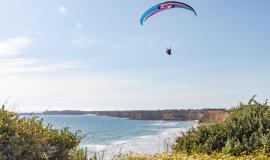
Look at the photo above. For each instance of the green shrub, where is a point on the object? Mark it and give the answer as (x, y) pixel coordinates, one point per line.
(247, 129)
(22, 138)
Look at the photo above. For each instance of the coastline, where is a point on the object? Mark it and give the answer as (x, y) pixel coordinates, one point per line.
(161, 135)
(202, 115)
(147, 144)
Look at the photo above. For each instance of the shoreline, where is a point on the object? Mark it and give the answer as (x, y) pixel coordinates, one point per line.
(162, 135)
(147, 144)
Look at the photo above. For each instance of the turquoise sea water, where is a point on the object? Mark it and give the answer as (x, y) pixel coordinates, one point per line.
(113, 134)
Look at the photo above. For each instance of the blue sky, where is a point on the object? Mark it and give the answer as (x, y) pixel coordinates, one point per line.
(94, 55)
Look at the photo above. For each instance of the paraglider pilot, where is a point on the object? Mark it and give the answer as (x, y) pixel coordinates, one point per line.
(169, 51)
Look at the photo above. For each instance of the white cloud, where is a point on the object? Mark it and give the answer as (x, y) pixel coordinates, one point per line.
(62, 9)
(14, 46)
(53, 67)
(10, 64)
(79, 25)
(15, 66)
(18, 61)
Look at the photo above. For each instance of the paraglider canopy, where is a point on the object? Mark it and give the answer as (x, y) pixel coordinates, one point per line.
(162, 7)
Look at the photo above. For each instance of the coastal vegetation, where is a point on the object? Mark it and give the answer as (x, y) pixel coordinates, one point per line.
(244, 134)
(30, 139)
(246, 130)
(258, 155)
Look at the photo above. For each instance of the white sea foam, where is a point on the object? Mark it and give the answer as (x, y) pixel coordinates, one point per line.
(148, 144)
(164, 123)
(95, 147)
(173, 131)
(120, 142)
(144, 137)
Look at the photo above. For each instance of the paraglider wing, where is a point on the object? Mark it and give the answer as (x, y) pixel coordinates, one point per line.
(164, 6)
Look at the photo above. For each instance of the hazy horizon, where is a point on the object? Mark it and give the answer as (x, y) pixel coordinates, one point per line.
(14, 107)
(175, 108)
(95, 55)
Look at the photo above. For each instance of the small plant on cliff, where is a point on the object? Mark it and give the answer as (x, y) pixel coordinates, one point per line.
(247, 129)
(22, 138)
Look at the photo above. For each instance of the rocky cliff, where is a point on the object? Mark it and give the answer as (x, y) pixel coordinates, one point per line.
(169, 115)
(202, 115)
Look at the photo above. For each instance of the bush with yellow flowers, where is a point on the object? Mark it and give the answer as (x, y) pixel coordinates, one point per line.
(256, 155)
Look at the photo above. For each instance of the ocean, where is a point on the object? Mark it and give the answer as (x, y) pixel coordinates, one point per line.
(109, 135)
